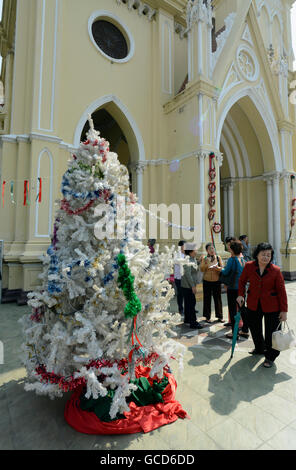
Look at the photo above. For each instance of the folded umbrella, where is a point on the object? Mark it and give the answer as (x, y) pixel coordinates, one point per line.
(235, 331)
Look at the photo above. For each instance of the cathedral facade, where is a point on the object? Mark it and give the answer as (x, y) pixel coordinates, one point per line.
(196, 97)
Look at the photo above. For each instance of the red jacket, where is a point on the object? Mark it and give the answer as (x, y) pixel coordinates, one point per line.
(269, 289)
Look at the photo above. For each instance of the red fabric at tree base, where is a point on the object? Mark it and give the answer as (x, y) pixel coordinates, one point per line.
(138, 419)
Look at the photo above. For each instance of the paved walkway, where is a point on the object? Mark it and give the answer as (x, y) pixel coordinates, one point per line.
(234, 404)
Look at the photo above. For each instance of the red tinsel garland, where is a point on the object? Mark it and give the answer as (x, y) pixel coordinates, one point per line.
(70, 383)
(66, 207)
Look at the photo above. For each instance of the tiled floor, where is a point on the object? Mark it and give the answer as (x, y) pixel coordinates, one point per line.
(233, 404)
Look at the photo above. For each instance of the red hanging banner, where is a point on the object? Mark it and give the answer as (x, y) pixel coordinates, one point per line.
(26, 192)
(3, 189)
(40, 189)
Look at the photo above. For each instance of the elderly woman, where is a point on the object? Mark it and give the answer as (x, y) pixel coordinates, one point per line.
(267, 298)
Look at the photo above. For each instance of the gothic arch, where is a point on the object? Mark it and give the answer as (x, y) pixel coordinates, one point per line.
(124, 118)
(270, 127)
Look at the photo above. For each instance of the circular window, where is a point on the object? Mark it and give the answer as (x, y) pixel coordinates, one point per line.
(110, 36)
(110, 39)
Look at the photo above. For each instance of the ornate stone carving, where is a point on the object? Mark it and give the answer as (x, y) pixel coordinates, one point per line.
(247, 63)
(279, 63)
(143, 8)
(179, 29)
(196, 11)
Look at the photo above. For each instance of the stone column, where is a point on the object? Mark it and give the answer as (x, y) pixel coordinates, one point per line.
(269, 210)
(199, 25)
(287, 205)
(219, 161)
(226, 216)
(231, 208)
(139, 169)
(277, 217)
(201, 157)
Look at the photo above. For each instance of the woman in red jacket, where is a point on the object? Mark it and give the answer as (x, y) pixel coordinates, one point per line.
(267, 298)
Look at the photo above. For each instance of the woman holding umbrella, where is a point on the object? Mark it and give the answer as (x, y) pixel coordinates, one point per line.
(267, 298)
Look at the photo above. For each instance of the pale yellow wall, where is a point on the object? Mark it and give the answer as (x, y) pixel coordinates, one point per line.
(146, 85)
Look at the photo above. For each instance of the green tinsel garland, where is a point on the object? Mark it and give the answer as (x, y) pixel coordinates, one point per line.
(126, 283)
(98, 172)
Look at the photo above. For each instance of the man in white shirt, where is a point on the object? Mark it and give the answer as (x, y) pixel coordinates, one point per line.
(177, 278)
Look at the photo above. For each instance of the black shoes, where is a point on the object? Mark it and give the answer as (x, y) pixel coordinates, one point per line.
(196, 326)
(255, 352)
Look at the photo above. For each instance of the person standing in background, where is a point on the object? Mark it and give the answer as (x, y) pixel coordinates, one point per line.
(177, 280)
(246, 248)
(234, 268)
(211, 284)
(188, 282)
(227, 242)
(151, 243)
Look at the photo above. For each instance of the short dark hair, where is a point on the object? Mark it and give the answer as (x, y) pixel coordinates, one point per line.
(229, 239)
(208, 245)
(236, 247)
(263, 246)
(181, 243)
(242, 237)
(187, 252)
(151, 241)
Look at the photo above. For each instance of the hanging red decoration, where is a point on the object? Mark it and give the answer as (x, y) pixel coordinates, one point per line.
(212, 187)
(212, 201)
(211, 214)
(3, 189)
(217, 228)
(40, 189)
(26, 192)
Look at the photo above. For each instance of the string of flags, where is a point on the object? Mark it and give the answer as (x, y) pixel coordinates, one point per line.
(26, 198)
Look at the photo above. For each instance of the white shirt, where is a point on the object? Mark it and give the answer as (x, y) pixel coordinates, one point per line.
(177, 269)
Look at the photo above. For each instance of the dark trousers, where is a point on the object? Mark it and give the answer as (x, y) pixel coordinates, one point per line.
(189, 306)
(232, 295)
(179, 292)
(209, 289)
(271, 322)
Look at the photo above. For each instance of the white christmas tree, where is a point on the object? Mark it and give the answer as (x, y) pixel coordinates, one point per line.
(102, 307)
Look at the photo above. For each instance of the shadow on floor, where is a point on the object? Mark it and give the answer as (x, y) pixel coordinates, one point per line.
(245, 380)
(36, 422)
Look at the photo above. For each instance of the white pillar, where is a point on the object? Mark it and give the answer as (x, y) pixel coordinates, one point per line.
(139, 171)
(200, 48)
(201, 157)
(189, 54)
(277, 217)
(270, 210)
(200, 119)
(287, 205)
(219, 161)
(226, 226)
(231, 209)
